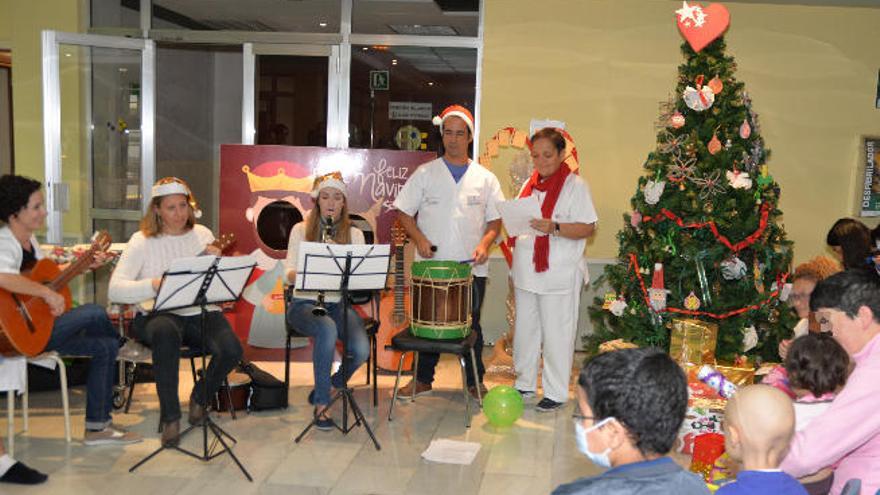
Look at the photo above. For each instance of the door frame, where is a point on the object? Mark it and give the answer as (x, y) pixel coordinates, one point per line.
(56, 190)
(249, 97)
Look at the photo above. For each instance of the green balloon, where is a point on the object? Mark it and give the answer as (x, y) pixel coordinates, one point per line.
(503, 405)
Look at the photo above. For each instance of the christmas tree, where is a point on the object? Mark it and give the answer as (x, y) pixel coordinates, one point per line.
(703, 239)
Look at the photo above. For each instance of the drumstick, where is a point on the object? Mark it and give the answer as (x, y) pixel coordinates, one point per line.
(469, 260)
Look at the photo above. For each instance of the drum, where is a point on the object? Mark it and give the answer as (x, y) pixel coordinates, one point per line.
(239, 391)
(440, 299)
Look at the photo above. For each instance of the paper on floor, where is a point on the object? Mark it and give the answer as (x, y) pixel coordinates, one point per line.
(451, 451)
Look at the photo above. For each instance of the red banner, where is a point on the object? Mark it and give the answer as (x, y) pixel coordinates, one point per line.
(264, 192)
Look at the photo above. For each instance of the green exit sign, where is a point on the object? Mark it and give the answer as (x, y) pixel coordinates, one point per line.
(379, 80)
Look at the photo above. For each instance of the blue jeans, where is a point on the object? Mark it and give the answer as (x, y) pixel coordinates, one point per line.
(86, 331)
(325, 331)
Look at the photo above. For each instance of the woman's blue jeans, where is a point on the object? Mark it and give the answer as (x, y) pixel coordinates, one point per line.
(325, 331)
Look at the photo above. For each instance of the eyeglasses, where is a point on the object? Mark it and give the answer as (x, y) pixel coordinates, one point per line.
(580, 417)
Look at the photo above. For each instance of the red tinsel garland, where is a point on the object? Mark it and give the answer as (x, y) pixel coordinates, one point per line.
(780, 281)
(748, 241)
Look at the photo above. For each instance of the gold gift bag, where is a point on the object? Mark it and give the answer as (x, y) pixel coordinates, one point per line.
(740, 376)
(693, 341)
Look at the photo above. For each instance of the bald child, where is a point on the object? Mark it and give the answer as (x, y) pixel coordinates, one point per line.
(758, 426)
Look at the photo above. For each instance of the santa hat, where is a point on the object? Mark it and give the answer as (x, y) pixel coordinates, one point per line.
(455, 111)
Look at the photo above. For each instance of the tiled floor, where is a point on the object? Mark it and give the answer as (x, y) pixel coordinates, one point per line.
(531, 457)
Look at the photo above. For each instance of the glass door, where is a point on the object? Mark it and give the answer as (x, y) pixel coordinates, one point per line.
(294, 94)
(98, 125)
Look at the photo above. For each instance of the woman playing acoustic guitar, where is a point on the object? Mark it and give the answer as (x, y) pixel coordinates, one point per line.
(81, 331)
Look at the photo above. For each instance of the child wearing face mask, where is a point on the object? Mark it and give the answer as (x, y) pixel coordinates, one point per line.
(630, 405)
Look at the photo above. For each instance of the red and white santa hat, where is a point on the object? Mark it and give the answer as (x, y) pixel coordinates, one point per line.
(455, 111)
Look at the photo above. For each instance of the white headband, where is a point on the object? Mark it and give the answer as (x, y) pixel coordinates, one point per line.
(330, 182)
(175, 187)
(169, 188)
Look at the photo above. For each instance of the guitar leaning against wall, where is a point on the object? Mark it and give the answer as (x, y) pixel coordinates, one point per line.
(26, 321)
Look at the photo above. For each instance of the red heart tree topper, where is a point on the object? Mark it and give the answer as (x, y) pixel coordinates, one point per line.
(701, 26)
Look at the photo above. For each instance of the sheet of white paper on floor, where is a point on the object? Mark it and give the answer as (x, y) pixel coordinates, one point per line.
(451, 451)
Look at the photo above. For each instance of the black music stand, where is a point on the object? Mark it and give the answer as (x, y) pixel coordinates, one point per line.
(198, 282)
(340, 268)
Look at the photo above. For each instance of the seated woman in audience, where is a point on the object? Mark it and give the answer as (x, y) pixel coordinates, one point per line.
(851, 241)
(806, 276)
(847, 434)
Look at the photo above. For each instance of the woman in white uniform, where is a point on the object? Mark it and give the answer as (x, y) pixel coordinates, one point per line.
(548, 271)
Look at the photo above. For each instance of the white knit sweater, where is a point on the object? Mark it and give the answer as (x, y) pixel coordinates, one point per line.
(146, 258)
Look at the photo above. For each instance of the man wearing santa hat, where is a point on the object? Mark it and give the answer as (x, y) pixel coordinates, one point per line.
(456, 200)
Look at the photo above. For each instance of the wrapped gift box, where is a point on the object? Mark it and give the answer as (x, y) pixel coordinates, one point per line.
(693, 341)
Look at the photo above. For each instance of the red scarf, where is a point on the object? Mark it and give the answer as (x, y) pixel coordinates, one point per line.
(552, 186)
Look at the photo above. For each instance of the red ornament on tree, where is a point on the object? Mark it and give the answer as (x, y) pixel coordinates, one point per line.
(714, 145)
(745, 130)
(716, 85)
(677, 120)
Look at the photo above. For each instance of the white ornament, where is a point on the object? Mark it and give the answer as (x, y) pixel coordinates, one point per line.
(733, 268)
(693, 100)
(653, 191)
(750, 338)
(618, 307)
(739, 179)
(785, 292)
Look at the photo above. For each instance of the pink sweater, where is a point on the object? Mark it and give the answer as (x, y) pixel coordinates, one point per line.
(848, 432)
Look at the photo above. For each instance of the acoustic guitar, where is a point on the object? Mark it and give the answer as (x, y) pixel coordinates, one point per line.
(392, 308)
(26, 321)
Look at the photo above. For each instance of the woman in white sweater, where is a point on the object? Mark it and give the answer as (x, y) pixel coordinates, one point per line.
(328, 222)
(169, 231)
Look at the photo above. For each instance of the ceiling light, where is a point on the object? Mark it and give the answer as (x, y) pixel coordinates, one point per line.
(394, 61)
(430, 83)
(365, 48)
(322, 24)
(423, 29)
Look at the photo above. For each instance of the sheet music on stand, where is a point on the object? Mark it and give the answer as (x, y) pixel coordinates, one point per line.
(182, 282)
(320, 266)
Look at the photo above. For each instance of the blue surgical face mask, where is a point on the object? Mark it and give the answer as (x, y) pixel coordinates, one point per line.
(600, 459)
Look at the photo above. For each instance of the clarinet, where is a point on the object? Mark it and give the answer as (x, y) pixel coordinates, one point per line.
(326, 234)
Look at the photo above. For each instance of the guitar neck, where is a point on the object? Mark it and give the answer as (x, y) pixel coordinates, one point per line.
(76, 267)
(398, 280)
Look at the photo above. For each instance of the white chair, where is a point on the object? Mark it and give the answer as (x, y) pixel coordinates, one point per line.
(41, 359)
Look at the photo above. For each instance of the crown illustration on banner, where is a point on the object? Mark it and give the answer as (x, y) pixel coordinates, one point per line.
(278, 182)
